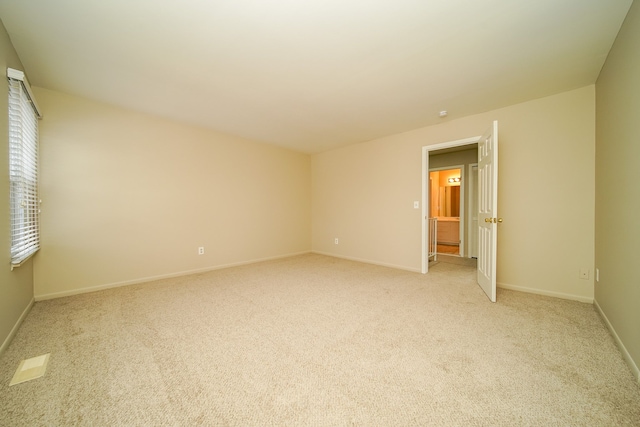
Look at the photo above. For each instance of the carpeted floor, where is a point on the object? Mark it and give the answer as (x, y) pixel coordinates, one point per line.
(318, 341)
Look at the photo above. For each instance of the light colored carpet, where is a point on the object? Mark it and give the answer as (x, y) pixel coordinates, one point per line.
(318, 341)
(454, 259)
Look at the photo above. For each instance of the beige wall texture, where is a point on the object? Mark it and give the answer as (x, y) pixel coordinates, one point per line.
(127, 197)
(16, 287)
(617, 243)
(363, 194)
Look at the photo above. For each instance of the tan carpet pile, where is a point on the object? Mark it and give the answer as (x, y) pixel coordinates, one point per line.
(317, 341)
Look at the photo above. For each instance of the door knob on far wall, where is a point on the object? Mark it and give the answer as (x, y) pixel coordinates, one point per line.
(499, 219)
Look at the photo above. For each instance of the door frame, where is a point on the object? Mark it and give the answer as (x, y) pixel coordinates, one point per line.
(425, 189)
(473, 199)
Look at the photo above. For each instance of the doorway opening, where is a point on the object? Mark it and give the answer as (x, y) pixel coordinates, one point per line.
(447, 208)
(440, 158)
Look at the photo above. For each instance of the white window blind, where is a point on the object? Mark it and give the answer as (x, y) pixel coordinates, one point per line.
(23, 169)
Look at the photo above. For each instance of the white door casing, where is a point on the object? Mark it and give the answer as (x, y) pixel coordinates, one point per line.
(488, 210)
(473, 209)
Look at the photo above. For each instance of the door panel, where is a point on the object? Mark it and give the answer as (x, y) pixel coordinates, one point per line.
(488, 210)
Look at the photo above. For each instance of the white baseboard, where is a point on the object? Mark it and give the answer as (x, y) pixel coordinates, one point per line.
(545, 293)
(367, 261)
(625, 354)
(77, 291)
(15, 328)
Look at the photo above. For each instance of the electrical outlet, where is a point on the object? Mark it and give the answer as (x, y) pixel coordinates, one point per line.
(201, 250)
(336, 241)
(584, 274)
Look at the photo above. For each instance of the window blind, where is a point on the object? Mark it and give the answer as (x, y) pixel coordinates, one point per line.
(23, 169)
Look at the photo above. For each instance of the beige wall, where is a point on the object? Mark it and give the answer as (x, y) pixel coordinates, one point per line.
(617, 189)
(16, 287)
(128, 197)
(363, 194)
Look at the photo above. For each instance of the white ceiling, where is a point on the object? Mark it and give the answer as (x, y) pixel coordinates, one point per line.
(312, 75)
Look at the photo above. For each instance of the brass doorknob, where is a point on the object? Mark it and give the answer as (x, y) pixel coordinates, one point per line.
(494, 220)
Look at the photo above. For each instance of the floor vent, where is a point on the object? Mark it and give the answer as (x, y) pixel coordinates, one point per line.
(30, 369)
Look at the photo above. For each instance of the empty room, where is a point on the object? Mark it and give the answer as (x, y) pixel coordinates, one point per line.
(320, 213)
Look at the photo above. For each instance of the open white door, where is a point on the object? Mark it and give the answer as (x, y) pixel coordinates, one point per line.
(488, 210)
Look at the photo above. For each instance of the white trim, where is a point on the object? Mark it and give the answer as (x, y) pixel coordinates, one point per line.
(425, 189)
(625, 354)
(19, 75)
(367, 261)
(451, 144)
(543, 292)
(471, 196)
(159, 277)
(463, 208)
(15, 328)
(24, 260)
(424, 262)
